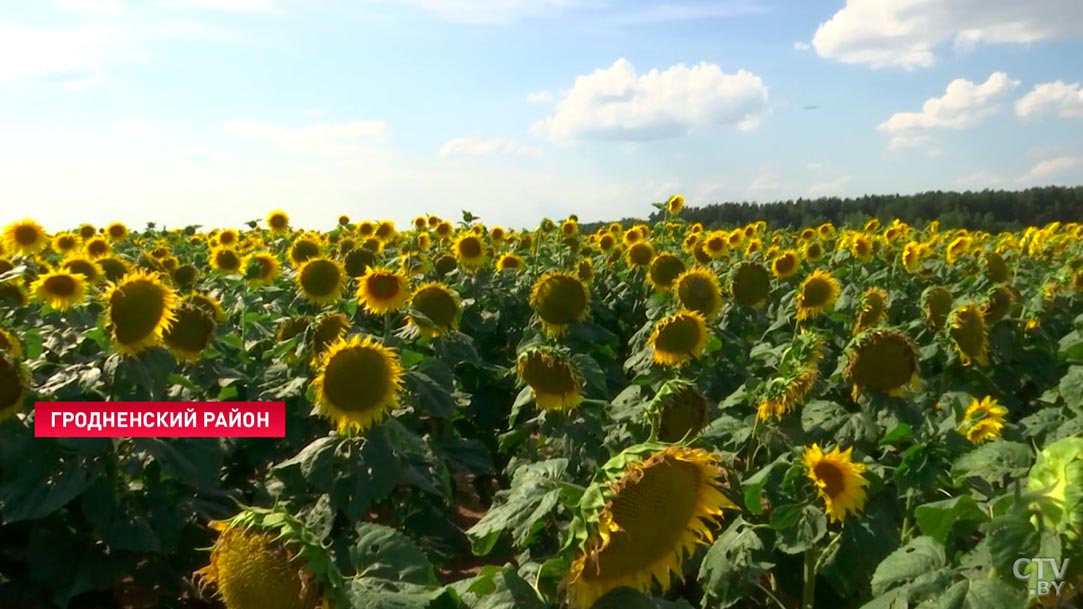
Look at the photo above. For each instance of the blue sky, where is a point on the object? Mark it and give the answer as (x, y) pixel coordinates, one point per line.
(214, 112)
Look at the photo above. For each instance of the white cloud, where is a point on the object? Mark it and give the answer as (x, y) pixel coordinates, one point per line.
(312, 112)
(908, 33)
(104, 7)
(133, 127)
(487, 12)
(475, 146)
(905, 140)
(616, 103)
(801, 46)
(1058, 98)
(963, 105)
(69, 57)
(1049, 168)
(540, 97)
(765, 182)
(672, 13)
(321, 139)
(225, 6)
(981, 179)
(830, 188)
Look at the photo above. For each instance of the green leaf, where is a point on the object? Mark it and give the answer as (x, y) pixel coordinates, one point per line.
(936, 519)
(864, 543)
(192, 461)
(498, 588)
(733, 564)
(385, 553)
(627, 598)
(1071, 388)
(28, 497)
(1008, 538)
(522, 510)
(809, 528)
(753, 486)
(373, 593)
(923, 555)
(994, 461)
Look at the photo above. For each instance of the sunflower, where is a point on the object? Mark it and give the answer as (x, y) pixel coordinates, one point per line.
(996, 268)
(25, 237)
(87, 231)
(649, 507)
(291, 327)
(444, 229)
(559, 299)
(303, 248)
(784, 394)
(262, 267)
(9, 343)
(89, 269)
(998, 303)
(321, 280)
(440, 307)
(97, 247)
(936, 305)
(191, 333)
(116, 231)
(61, 290)
(679, 338)
(12, 294)
(632, 236)
(817, 295)
(569, 227)
(861, 248)
(278, 221)
(983, 420)
(874, 303)
(229, 238)
(664, 271)
(785, 265)
(226, 260)
(606, 242)
(753, 246)
(470, 252)
(265, 559)
(357, 261)
(509, 262)
(678, 411)
(326, 331)
(966, 327)
(675, 204)
(958, 247)
(445, 264)
(552, 376)
(358, 382)
(65, 243)
(750, 284)
(640, 253)
(838, 480)
(14, 384)
(383, 291)
(385, 231)
(424, 241)
(698, 290)
(882, 360)
(140, 308)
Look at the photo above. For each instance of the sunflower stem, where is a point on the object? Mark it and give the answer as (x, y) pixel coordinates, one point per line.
(808, 593)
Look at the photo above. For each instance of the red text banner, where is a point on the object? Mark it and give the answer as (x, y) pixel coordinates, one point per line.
(160, 419)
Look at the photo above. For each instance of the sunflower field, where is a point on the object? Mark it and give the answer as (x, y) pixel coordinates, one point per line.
(660, 415)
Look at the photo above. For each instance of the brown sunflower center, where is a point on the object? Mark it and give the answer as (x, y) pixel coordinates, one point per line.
(117, 232)
(547, 374)
(227, 260)
(185, 275)
(436, 304)
(640, 254)
(136, 309)
(834, 483)
(785, 263)
(303, 250)
(383, 286)
(357, 379)
(63, 286)
(11, 383)
(751, 284)
(561, 299)
(320, 278)
(678, 335)
(470, 247)
(26, 235)
(66, 242)
(278, 221)
(328, 330)
(816, 292)
(665, 270)
(192, 331)
(698, 294)
(684, 413)
(358, 261)
(97, 247)
(445, 264)
(885, 362)
(82, 267)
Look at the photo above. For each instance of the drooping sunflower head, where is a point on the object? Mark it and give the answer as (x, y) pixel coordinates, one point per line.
(788, 391)
(226, 260)
(996, 268)
(646, 511)
(936, 305)
(817, 294)
(983, 420)
(509, 262)
(838, 480)
(25, 237)
(140, 309)
(265, 559)
(664, 271)
(552, 376)
(750, 284)
(585, 271)
(358, 382)
(10, 344)
(383, 291)
(678, 411)
(190, 335)
(882, 360)
(439, 305)
(679, 338)
(445, 264)
(698, 290)
(969, 335)
(470, 253)
(61, 290)
(640, 253)
(873, 309)
(116, 231)
(14, 384)
(560, 299)
(998, 303)
(785, 264)
(208, 303)
(303, 248)
(321, 280)
(357, 261)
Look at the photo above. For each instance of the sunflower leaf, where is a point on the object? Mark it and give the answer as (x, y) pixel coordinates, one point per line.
(923, 555)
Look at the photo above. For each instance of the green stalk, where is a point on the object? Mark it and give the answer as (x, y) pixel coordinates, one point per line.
(808, 593)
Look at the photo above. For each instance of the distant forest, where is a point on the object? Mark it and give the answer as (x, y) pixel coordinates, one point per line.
(988, 210)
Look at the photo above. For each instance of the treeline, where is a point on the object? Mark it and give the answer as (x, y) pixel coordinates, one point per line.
(988, 210)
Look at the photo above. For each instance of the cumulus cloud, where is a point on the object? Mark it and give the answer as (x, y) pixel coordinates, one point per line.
(1050, 168)
(103, 7)
(321, 139)
(909, 33)
(475, 146)
(539, 97)
(1059, 98)
(616, 103)
(70, 57)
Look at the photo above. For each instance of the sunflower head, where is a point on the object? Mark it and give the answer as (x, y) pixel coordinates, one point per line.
(116, 231)
(321, 280)
(983, 420)
(445, 264)
(226, 260)
(385, 231)
(61, 290)
(936, 305)
(873, 309)
(996, 268)
(817, 295)
(97, 247)
(191, 333)
(140, 308)
(278, 221)
(678, 411)
(861, 247)
(383, 291)
(785, 265)
(509, 262)
(267, 559)
(14, 384)
(470, 252)
(998, 303)
(440, 307)
(675, 204)
(262, 267)
(640, 253)
(750, 284)
(229, 238)
(291, 327)
(679, 338)
(10, 344)
(358, 382)
(65, 243)
(647, 509)
(838, 480)
(606, 242)
(664, 271)
(552, 376)
(969, 335)
(25, 238)
(882, 360)
(698, 290)
(87, 231)
(357, 261)
(303, 248)
(560, 299)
